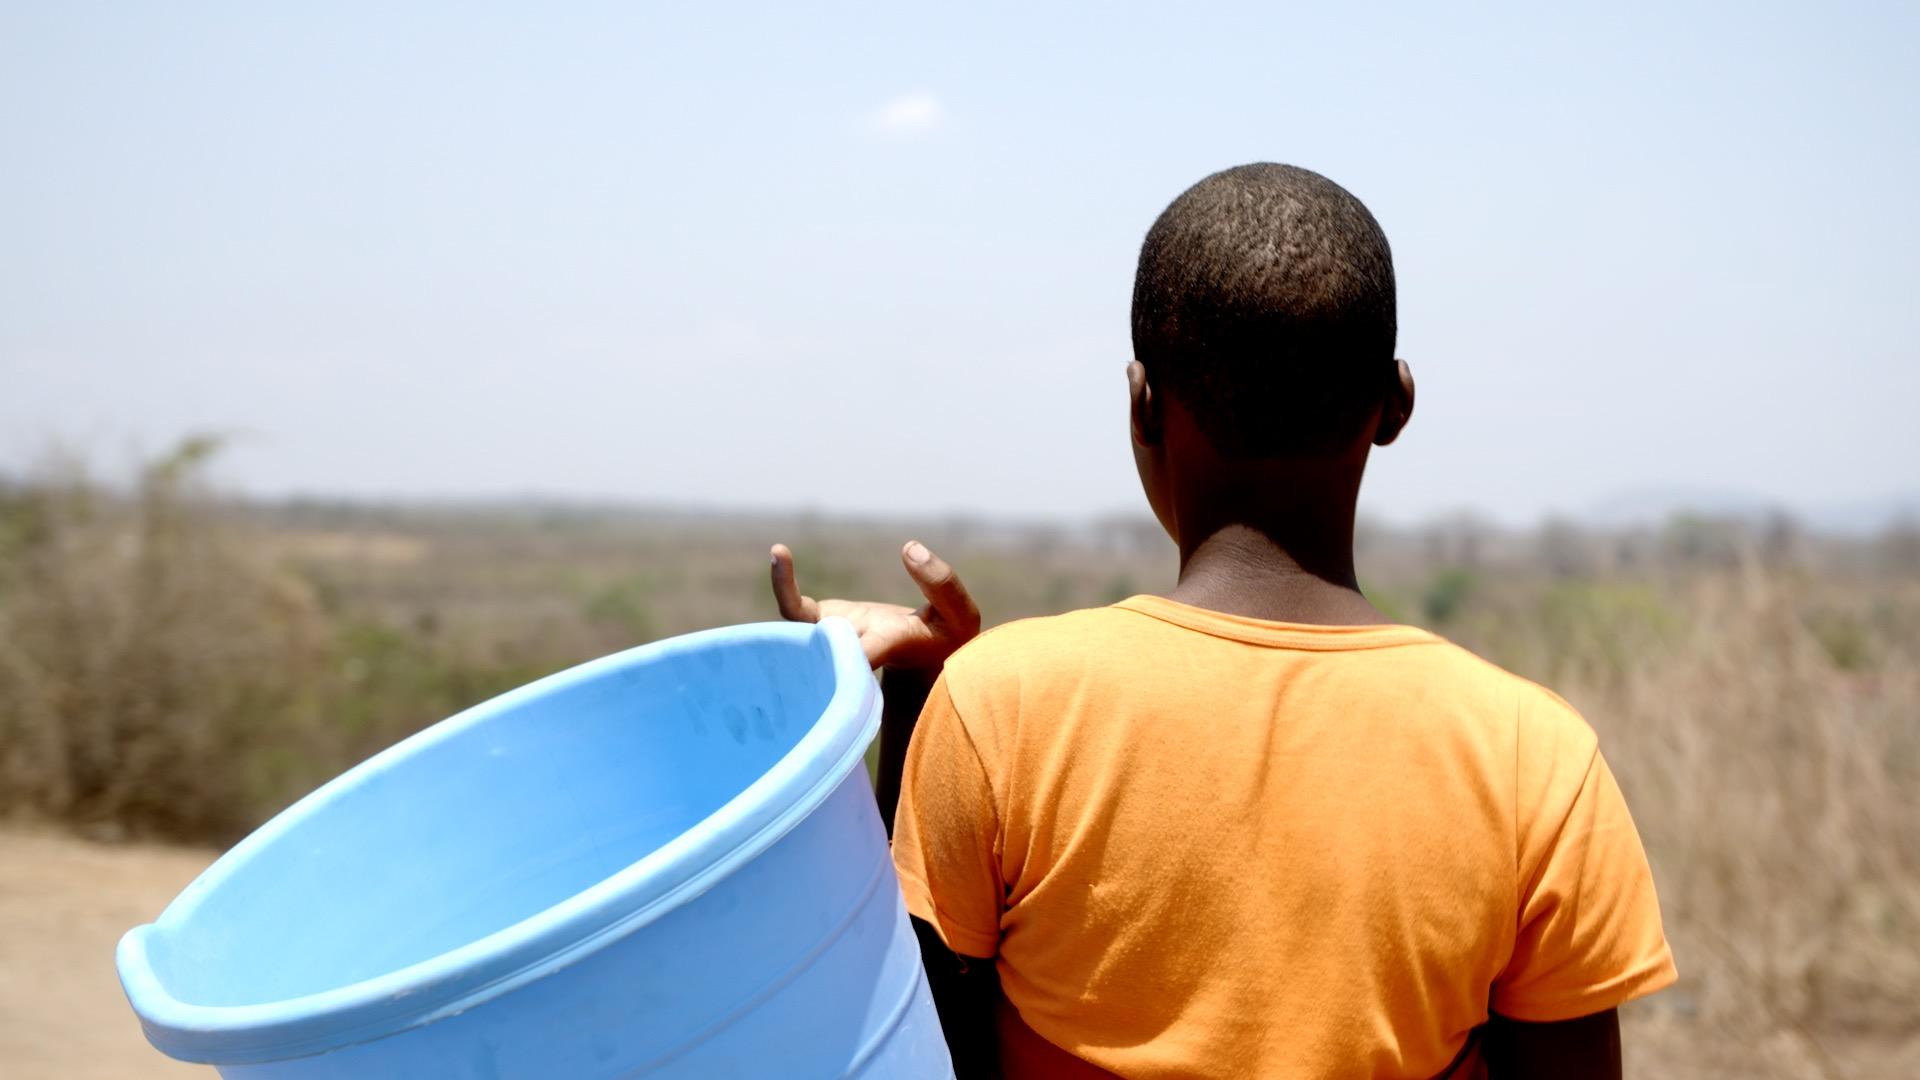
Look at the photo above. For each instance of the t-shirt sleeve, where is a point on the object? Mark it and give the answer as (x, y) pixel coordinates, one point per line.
(1589, 936)
(944, 832)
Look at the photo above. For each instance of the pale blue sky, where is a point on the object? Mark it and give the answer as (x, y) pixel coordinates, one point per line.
(878, 259)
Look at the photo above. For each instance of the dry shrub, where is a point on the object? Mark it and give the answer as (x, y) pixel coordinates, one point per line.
(155, 676)
(165, 671)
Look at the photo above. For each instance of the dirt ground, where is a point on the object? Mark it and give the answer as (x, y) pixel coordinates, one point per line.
(64, 902)
(63, 905)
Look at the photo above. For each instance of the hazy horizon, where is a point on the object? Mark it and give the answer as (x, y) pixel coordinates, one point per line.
(1626, 510)
(878, 263)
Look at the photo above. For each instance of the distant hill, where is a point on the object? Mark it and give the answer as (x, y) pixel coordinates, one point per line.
(1655, 507)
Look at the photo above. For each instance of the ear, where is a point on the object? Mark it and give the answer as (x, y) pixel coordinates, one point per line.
(1398, 408)
(1143, 412)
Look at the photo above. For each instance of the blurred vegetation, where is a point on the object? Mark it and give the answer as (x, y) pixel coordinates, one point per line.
(1446, 594)
(178, 666)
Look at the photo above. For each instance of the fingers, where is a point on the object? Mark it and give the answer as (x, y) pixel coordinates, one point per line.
(942, 588)
(786, 591)
(877, 650)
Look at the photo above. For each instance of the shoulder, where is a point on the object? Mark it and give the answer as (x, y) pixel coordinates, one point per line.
(1554, 749)
(1534, 715)
(1537, 748)
(1020, 667)
(1038, 663)
(1041, 647)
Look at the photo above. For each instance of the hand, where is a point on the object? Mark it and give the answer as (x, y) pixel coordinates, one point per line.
(893, 635)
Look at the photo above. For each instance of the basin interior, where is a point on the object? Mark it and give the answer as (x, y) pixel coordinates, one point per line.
(473, 829)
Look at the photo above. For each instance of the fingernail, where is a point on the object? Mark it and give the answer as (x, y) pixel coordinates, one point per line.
(917, 552)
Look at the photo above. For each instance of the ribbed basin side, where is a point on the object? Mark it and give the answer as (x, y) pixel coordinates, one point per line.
(664, 862)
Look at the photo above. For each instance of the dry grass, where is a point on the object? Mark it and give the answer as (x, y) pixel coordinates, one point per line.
(1776, 792)
(174, 667)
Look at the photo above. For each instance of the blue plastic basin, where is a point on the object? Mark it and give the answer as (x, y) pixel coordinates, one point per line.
(665, 862)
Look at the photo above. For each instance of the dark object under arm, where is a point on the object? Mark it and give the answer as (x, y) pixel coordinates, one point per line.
(966, 991)
(904, 693)
(1586, 1048)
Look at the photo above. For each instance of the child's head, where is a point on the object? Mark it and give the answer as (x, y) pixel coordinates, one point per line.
(1263, 336)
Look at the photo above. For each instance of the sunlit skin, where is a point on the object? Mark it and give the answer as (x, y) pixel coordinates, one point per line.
(893, 635)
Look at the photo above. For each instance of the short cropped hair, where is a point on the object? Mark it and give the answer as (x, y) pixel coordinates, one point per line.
(1264, 303)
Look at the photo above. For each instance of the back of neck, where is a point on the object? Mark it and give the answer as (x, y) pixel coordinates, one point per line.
(1295, 571)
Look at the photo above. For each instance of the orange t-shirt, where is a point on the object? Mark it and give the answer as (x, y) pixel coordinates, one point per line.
(1204, 845)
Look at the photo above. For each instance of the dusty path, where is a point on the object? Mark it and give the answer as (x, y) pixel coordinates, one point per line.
(63, 905)
(65, 902)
